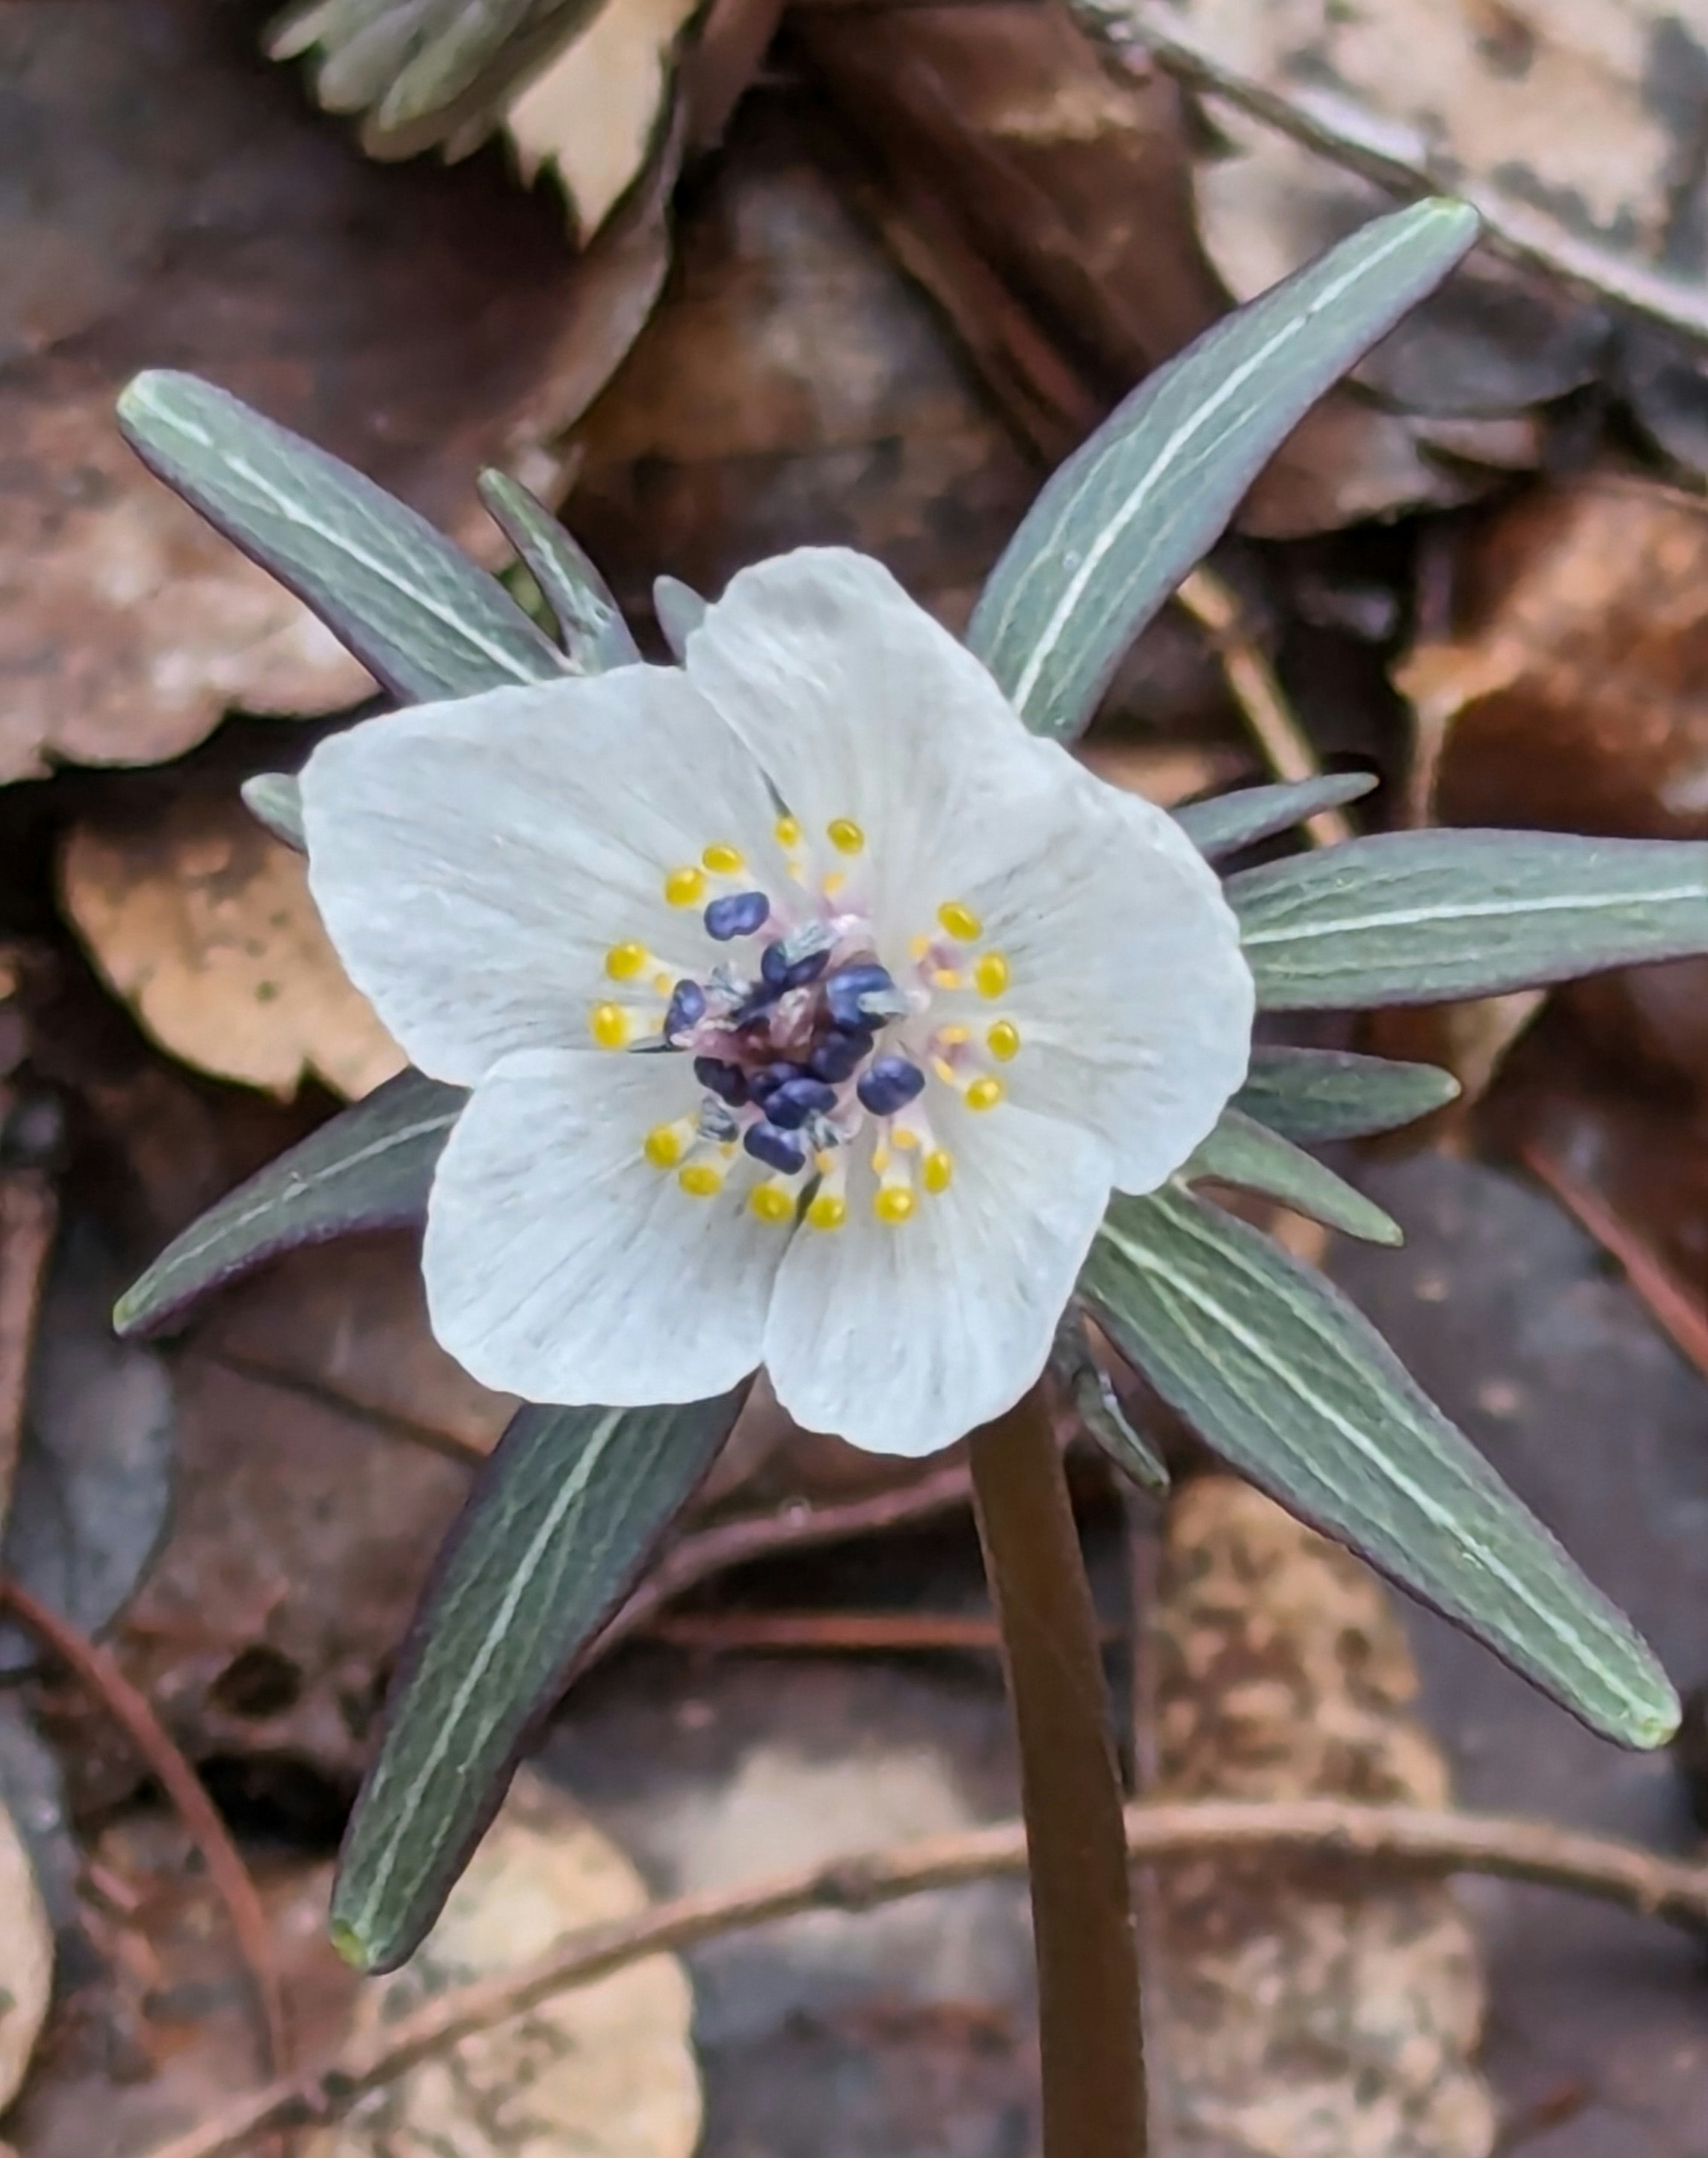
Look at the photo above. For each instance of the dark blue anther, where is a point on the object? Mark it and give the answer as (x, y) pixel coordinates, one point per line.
(762, 1084)
(798, 1099)
(728, 1081)
(839, 1055)
(738, 914)
(889, 1085)
(851, 992)
(781, 971)
(687, 1009)
(777, 1150)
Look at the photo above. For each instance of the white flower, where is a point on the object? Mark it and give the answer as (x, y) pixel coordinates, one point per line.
(813, 1009)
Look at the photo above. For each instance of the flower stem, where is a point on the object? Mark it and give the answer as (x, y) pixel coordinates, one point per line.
(1088, 1994)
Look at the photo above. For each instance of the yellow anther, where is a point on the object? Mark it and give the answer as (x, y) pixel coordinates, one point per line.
(845, 835)
(1004, 1040)
(953, 1037)
(623, 962)
(700, 1180)
(903, 1138)
(724, 861)
(880, 1158)
(834, 882)
(665, 1145)
(946, 978)
(939, 1170)
(962, 923)
(919, 947)
(788, 832)
(609, 1026)
(771, 1203)
(944, 1070)
(685, 887)
(827, 1211)
(894, 1203)
(664, 983)
(990, 973)
(984, 1093)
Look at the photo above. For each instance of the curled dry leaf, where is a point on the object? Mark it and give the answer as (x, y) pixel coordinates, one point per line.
(1301, 2016)
(608, 2071)
(202, 921)
(26, 1959)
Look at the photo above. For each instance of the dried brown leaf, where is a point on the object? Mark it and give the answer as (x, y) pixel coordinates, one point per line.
(26, 1961)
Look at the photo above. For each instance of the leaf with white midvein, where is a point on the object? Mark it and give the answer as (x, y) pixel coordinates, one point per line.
(1313, 1095)
(595, 636)
(562, 1517)
(416, 612)
(1140, 503)
(1230, 822)
(369, 1168)
(1290, 1385)
(1420, 917)
(1242, 1152)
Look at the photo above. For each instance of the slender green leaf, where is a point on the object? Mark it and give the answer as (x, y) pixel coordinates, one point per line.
(1242, 1152)
(1233, 821)
(367, 1168)
(1420, 917)
(1311, 1095)
(1131, 512)
(1293, 1388)
(414, 609)
(595, 634)
(1074, 1368)
(274, 798)
(680, 611)
(562, 1517)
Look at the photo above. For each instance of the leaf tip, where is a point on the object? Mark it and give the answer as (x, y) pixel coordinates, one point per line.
(351, 1946)
(131, 1312)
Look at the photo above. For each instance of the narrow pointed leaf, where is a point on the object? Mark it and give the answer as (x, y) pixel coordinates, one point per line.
(1086, 1384)
(562, 1517)
(1242, 1152)
(1134, 508)
(680, 611)
(1233, 821)
(1313, 1095)
(274, 798)
(369, 1168)
(1292, 1386)
(413, 608)
(595, 634)
(1421, 917)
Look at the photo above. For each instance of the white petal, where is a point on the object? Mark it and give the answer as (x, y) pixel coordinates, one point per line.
(902, 1338)
(857, 703)
(474, 861)
(561, 1266)
(1133, 1001)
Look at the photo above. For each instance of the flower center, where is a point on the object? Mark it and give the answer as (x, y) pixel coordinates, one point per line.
(803, 1042)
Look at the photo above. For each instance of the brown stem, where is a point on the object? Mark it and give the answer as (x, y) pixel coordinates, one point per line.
(1089, 2031)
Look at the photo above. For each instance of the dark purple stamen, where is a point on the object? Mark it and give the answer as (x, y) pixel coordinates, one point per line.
(687, 1009)
(858, 995)
(728, 1081)
(891, 1084)
(763, 1083)
(798, 1099)
(777, 1150)
(839, 1056)
(781, 973)
(738, 914)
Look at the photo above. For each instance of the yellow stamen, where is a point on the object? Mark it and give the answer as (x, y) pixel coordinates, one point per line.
(919, 947)
(952, 1037)
(1004, 1040)
(663, 982)
(893, 1204)
(685, 887)
(939, 1170)
(984, 1093)
(944, 1070)
(788, 832)
(771, 1203)
(834, 882)
(903, 1138)
(962, 923)
(827, 1212)
(946, 978)
(665, 1145)
(724, 861)
(623, 962)
(609, 1026)
(700, 1180)
(880, 1158)
(845, 835)
(990, 973)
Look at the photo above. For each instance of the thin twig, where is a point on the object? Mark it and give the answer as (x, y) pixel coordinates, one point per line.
(96, 1669)
(1364, 143)
(1286, 746)
(858, 1632)
(1412, 1837)
(28, 1215)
